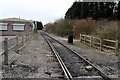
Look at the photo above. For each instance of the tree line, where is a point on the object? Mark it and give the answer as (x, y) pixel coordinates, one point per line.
(96, 10)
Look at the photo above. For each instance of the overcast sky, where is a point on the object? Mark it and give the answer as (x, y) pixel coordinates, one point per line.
(41, 10)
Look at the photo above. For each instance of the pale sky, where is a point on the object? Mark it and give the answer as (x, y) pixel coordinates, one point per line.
(41, 10)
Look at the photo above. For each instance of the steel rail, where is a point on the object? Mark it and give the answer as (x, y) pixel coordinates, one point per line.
(101, 73)
(64, 68)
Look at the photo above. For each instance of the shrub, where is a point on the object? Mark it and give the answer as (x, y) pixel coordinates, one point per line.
(61, 27)
(49, 28)
(107, 29)
(85, 26)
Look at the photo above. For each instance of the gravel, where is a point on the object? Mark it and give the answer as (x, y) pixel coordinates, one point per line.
(75, 65)
(108, 63)
(35, 61)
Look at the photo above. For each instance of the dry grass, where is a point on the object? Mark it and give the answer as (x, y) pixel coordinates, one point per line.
(106, 29)
(88, 48)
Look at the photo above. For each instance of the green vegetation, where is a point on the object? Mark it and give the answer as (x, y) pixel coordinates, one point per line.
(96, 10)
(92, 18)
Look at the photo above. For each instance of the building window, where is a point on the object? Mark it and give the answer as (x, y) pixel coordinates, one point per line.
(3, 27)
(18, 27)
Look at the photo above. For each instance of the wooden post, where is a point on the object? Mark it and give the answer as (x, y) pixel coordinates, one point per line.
(26, 38)
(90, 41)
(17, 44)
(118, 50)
(118, 41)
(80, 38)
(31, 35)
(101, 44)
(85, 39)
(116, 47)
(6, 51)
(22, 40)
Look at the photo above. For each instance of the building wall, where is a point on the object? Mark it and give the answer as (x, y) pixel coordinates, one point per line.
(10, 31)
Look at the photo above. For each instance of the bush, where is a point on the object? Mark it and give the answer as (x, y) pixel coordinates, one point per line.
(61, 27)
(85, 26)
(49, 28)
(64, 27)
(107, 29)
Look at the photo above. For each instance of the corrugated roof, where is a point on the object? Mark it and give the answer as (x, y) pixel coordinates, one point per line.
(14, 19)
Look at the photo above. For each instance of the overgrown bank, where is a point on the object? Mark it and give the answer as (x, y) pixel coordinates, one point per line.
(65, 27)
(92, 18)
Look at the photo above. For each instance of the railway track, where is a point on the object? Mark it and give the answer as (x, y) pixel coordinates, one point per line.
(73, 64)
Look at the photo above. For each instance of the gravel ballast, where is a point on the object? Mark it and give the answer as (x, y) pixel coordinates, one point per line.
(105, 61)
(35, 61)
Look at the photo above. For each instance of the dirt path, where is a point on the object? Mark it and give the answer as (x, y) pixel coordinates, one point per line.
(35, 61)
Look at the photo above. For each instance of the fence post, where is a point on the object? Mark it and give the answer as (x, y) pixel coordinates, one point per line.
(85, 39)
(101, 42)
(116, 47)
(80, 38)
(22, 40)
(17, 44)
(6, 51)
(26, 38)
(90, 41)
(30, 35)
(33, 34)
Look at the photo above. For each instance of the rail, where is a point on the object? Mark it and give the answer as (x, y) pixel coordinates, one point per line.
(102, 74)
(99, 43)
(64, 68)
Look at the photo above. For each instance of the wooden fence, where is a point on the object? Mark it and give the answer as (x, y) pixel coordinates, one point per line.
(19, 43)
(101, 44)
